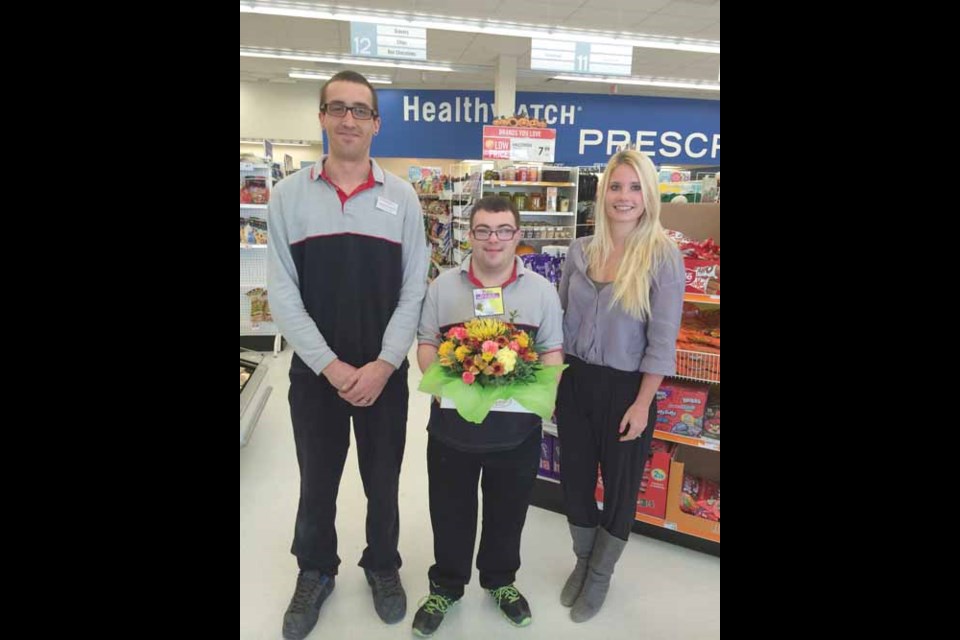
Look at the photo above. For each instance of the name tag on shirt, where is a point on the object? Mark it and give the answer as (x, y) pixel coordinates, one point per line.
(488, 302)
(386, 205)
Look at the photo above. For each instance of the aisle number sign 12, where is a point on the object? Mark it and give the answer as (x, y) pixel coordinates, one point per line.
(388, 41)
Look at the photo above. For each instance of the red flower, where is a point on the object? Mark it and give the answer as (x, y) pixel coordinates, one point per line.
(468, 378)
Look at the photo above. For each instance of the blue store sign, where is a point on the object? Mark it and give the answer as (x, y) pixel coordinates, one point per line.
(590, 127)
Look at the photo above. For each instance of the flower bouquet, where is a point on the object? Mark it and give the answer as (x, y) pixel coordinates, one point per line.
(484, 362)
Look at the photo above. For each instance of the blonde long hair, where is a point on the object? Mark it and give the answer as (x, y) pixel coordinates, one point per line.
(647, 245)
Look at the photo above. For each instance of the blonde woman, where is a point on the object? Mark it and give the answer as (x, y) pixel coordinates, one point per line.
(622, 293)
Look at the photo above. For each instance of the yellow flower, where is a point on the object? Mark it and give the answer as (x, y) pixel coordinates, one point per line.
(446, 349)
(484, 329)
(523, 339)
(462, 352)
(445, 361)
(508, 359)
(487, 357)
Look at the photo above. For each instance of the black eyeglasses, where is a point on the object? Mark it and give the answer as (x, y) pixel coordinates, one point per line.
(504, 233)
(339, 110)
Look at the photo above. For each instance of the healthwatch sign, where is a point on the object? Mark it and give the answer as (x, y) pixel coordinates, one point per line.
(590, 127)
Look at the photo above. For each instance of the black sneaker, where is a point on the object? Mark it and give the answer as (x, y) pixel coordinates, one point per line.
(513, 605)
(389, 598)
(430, 614)
(301, 616)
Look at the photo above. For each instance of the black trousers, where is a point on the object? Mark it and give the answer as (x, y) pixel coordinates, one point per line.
(591, 402)
(321, 430)
(507, 482)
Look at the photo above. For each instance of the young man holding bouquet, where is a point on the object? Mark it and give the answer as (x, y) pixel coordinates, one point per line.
(493, 324)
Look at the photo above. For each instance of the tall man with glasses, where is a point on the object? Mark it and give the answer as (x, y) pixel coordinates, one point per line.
(347, 266)
(505, 449)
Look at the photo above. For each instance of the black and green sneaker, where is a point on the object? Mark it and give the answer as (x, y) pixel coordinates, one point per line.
(513, 605)
(430, 614)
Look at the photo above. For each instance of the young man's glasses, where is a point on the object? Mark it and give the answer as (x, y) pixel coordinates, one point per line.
(504, 233)
(339, 110)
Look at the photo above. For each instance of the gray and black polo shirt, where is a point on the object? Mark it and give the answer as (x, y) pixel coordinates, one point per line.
(346, 272)
(535, 307)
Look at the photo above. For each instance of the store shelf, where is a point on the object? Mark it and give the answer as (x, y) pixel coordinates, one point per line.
(259, 207)
(701, 298)
(253, 246)
(555, 214)
(262, 329)
(500, 183)
(672, 526)
(249, 166)
(703, 443)
(643, 517)
(429, 196)
(699, 366)
(548, 479)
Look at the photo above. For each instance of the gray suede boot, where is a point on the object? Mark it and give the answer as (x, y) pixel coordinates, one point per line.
(583, 538)
(606, 552)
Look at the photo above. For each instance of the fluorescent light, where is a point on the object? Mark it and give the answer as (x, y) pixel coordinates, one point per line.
(307, 56)
(490, 27)
(282, 143)
(326, 75)
(705, 85)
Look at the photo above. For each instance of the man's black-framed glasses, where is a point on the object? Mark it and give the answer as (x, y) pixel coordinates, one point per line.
(339, 110)
(504, 233)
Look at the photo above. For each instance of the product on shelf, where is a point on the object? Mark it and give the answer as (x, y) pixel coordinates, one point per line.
(556, 457)
(699, 329)
(703, 276)
(680, 408)
(546, 455)
(259, 306)
(253, 190)
(550, 267)
(555, 175)
(253, 231)
(701, 260)
(652, 496)
(700, 498)
(711, 422)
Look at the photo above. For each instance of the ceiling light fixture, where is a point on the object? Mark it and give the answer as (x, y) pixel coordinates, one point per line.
(307, 56)
(706, 85)
(304, 74)
(490, 27)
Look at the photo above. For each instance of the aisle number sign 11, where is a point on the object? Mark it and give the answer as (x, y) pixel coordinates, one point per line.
(388, 41)
(581, 57)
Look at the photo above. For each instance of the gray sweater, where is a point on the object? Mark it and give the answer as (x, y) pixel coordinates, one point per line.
(598, 334)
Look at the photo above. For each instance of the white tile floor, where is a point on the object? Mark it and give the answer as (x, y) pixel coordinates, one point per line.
(660, 591)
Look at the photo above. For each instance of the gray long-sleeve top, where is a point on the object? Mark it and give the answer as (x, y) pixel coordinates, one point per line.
(598, 334)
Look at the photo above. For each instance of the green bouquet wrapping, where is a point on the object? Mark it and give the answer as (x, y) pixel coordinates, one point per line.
(486, 361)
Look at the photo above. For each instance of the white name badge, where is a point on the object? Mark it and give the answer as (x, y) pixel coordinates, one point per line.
(509, 406)
(488, 302)
(386, 205)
